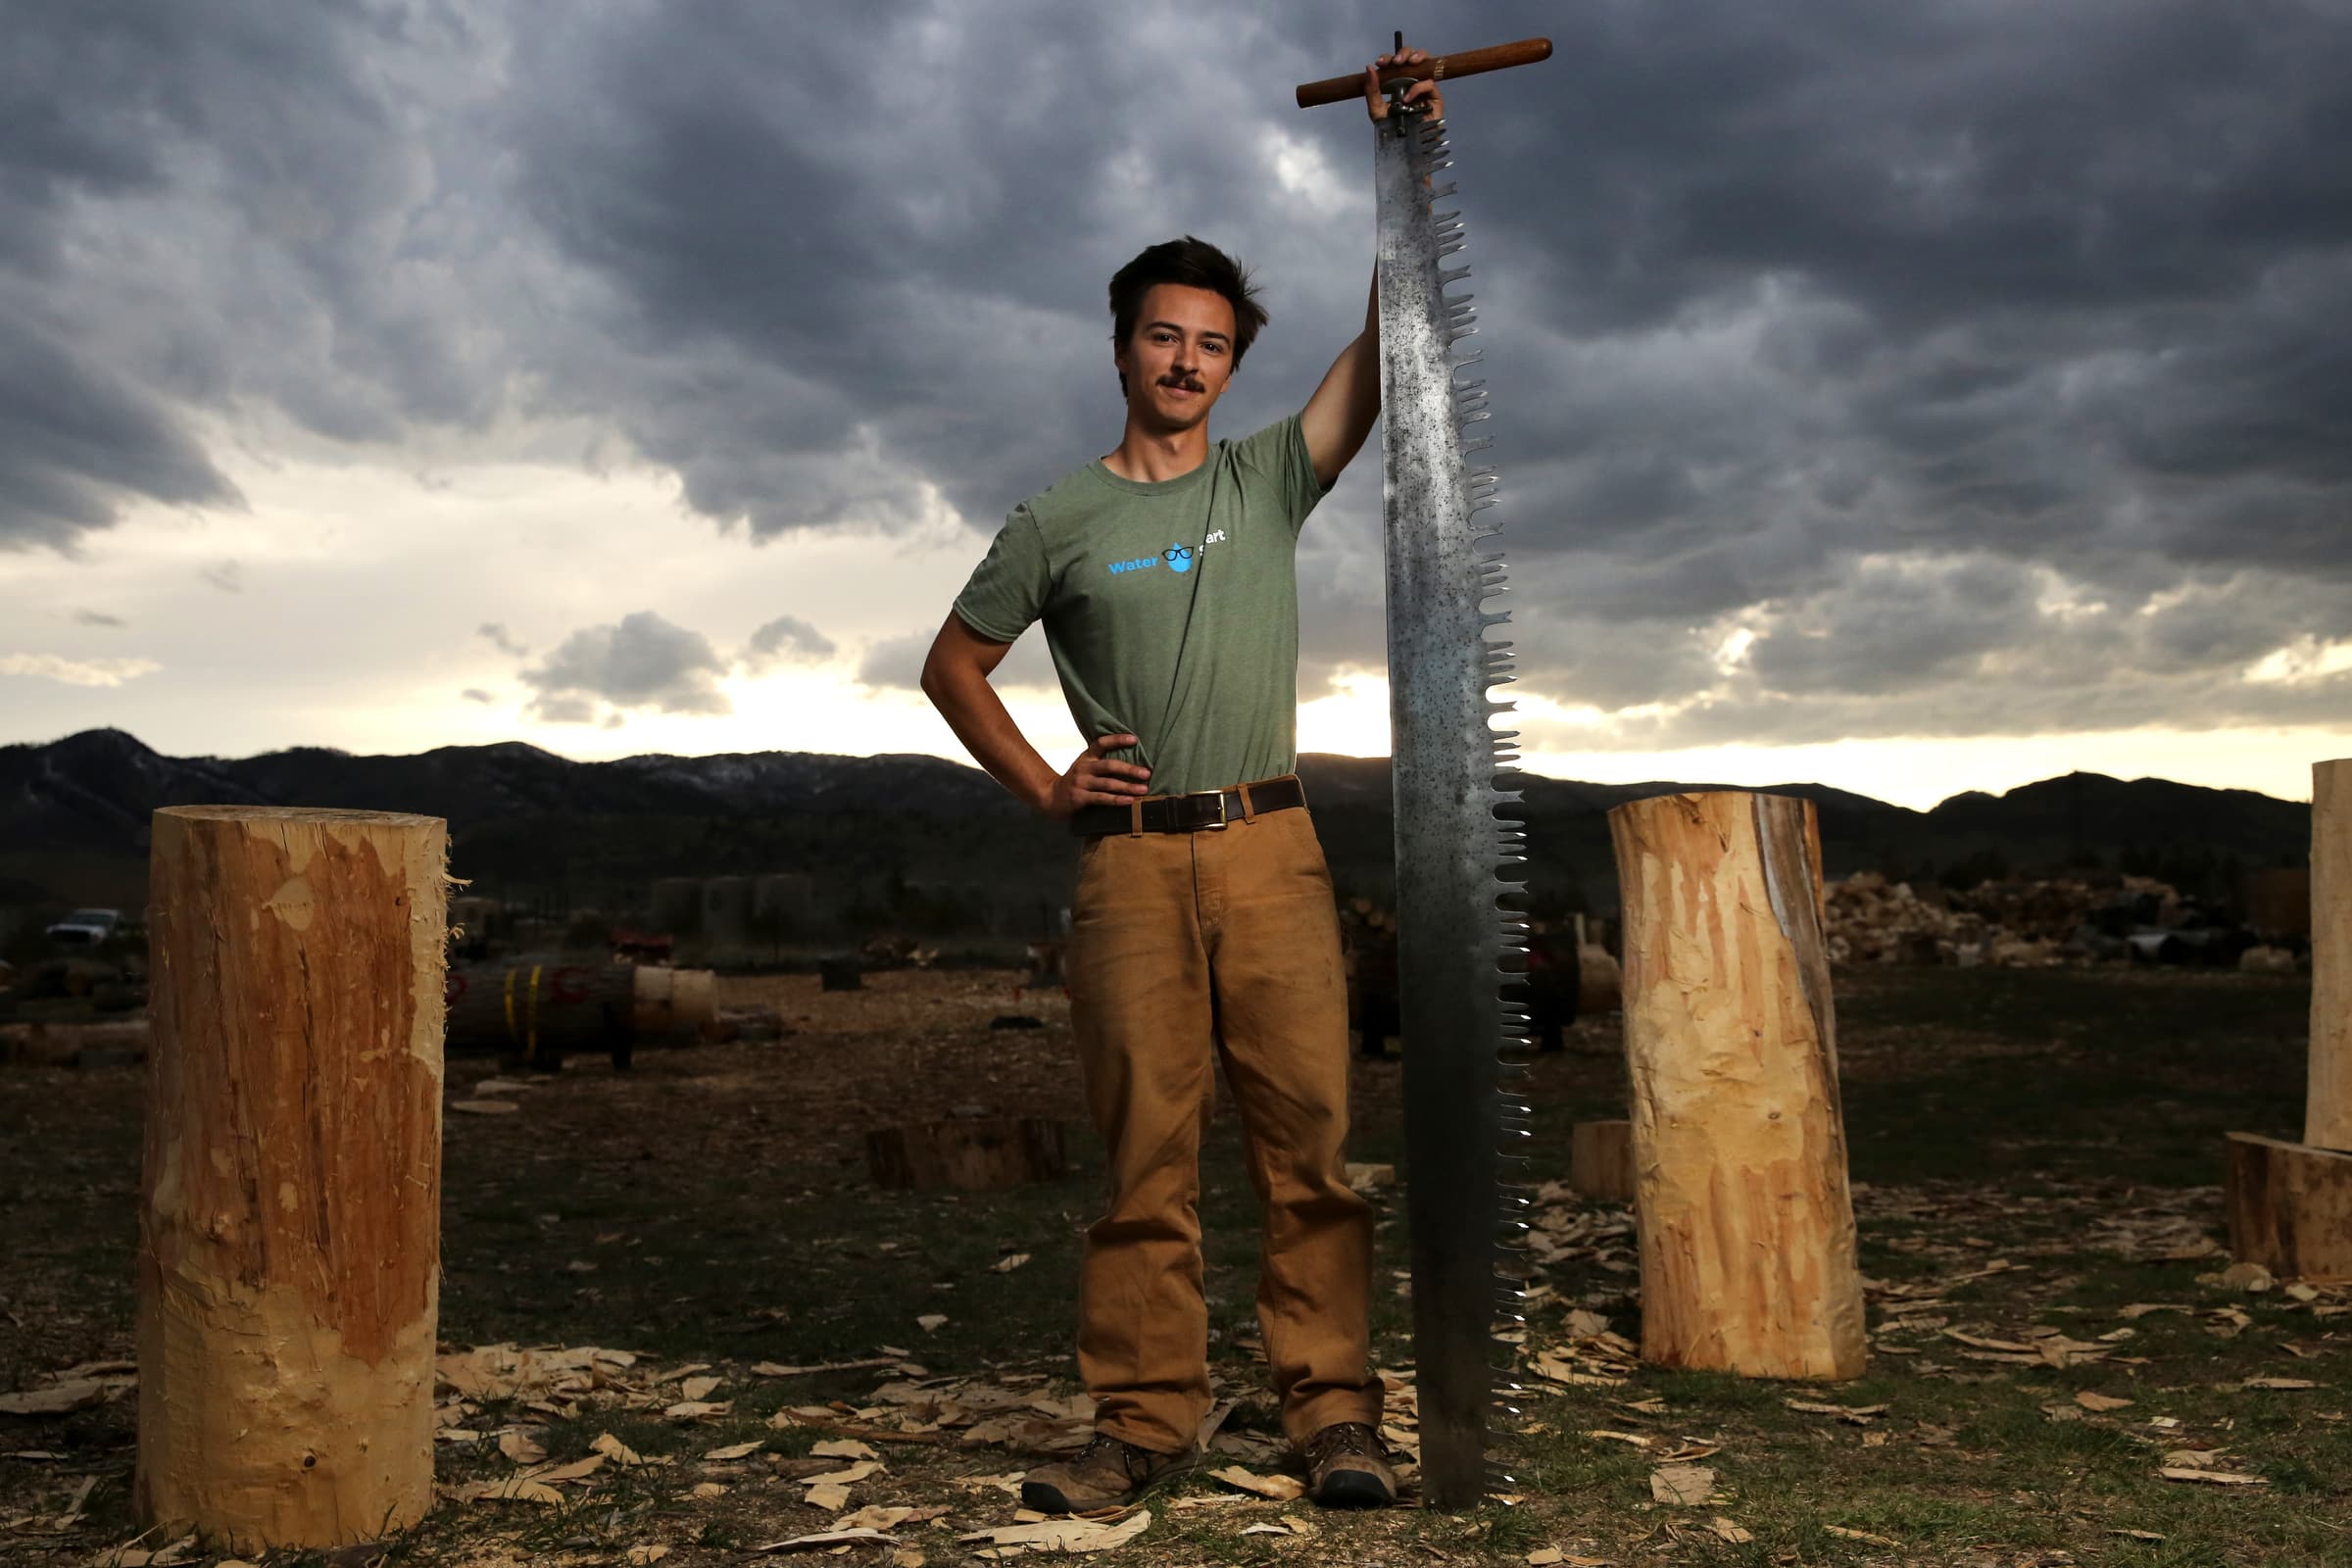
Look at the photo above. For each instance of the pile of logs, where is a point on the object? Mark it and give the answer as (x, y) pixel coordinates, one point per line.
(2031, 925)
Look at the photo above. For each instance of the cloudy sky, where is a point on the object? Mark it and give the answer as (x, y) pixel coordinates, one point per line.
(1910, 397)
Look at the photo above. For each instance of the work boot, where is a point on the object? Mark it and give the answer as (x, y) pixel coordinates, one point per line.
(1346, 1468)
(1104, 1474)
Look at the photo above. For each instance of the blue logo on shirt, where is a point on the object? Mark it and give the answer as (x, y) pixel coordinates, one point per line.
(1178, 557)
(1139, 564)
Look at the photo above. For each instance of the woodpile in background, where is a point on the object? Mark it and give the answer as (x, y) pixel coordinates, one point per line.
(2021, 924)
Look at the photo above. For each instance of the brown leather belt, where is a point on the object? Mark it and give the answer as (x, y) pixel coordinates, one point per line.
(1190, 813)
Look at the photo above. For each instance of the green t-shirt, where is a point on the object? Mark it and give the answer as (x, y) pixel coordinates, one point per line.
(1171, 608)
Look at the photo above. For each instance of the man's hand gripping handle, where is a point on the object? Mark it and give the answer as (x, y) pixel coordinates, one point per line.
(1442, 68)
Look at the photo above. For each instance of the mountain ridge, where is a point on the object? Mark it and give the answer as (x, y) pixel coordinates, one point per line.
(73, 808)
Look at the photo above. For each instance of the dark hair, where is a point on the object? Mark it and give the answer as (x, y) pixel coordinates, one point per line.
(1193, 264)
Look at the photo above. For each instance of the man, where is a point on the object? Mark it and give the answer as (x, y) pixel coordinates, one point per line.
(1203, 923)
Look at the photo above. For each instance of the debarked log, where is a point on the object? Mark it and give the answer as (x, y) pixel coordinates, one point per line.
(289, 1248)
(1747, 1225)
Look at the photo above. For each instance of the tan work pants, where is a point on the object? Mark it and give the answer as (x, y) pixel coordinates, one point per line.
(1184, 947)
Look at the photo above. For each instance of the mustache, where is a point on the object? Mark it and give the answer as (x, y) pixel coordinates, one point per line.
(1187, 382)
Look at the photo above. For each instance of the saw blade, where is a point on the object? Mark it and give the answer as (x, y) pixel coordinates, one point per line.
(1459, 942)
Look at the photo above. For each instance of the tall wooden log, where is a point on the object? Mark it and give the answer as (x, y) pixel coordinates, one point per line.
(289, 1252)
(2327, 1107)
(1748, 1260)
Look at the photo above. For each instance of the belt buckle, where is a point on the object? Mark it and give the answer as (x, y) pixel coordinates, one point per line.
(1218, 795)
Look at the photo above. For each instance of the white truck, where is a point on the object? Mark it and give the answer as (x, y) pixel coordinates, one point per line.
(85, 927)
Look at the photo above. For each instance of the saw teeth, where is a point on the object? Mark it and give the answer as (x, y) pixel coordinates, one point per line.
(1434, 238)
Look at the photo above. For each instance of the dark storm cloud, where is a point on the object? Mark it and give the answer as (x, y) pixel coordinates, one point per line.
(854, 293)
(641, 662)
(76, 438)
(1929, 276)
(1895, 629)
(1948, 360)
(1976, 647)
(212, 206)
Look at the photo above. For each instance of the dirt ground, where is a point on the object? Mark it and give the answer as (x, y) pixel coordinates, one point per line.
(2036, 1158)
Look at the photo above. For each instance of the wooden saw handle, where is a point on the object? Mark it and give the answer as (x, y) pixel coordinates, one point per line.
(1443, 67)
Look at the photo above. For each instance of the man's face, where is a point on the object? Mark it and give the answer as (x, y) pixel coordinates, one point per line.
(1180, 356)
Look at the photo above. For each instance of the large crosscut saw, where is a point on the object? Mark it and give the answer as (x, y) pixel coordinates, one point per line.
(1457, 942)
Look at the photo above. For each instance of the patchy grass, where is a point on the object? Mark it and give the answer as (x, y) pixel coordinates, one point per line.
(712, 1206)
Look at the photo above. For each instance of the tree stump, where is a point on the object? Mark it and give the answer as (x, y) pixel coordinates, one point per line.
(1748, 1260)
(2328, 1104)
(1601, 1160)
(967, 1154)
(2291, 1205)
(289, 1253)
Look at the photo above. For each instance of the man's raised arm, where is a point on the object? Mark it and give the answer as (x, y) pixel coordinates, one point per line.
(1339, 417)
(955, 678)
